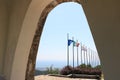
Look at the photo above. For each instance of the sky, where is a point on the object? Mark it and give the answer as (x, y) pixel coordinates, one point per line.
(66, 18)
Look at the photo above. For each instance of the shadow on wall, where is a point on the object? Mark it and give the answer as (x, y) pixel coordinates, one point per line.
(2, 77)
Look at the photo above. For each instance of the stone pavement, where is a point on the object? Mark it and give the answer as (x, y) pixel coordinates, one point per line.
(46, 77)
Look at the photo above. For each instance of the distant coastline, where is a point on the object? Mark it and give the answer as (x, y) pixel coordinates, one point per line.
(55, 64)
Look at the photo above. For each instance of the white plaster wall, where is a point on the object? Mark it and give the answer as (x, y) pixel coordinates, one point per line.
(3, 32)
(104, 19)
(16, 11)
(25, 38)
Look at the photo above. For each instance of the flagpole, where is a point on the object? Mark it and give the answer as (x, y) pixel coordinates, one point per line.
(98, 59)
(77, 55)
(73, 52)
(67, 50)
(89, 55)
(93, 56)
(81, 53)
(95, 59)
(84, 54)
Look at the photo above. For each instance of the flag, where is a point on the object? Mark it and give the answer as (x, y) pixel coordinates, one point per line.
(83, 48)
(76, 44)
(69, 42)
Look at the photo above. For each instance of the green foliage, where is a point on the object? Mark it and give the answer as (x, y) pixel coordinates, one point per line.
(98, 67)
(89, 66)
(51, 70)
(38, 72)
(83, 66)
(82, 69)
(66, 70)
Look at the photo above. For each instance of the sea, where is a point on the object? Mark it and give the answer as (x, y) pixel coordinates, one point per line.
(54, 64)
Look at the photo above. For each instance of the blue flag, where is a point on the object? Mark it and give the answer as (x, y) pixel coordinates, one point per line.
(69, 42)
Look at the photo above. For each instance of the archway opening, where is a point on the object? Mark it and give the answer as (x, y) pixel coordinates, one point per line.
(76, 25)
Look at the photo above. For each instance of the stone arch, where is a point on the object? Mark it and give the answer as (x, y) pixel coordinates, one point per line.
(34, 48)
(103, 17)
